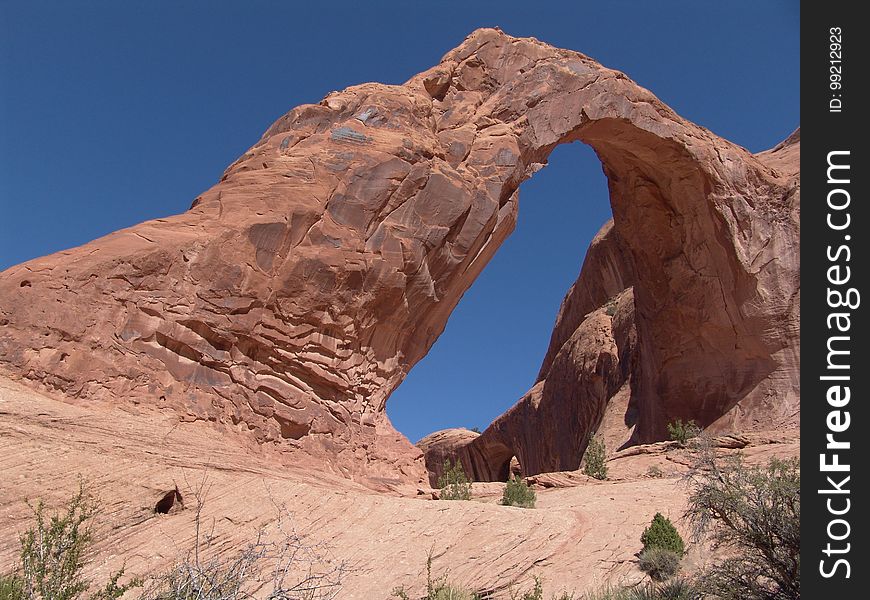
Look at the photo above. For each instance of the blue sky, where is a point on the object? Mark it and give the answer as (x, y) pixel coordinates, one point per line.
(116, 112)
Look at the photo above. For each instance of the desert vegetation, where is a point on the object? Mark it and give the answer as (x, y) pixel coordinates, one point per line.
(683, 432)
(751, 513)
(654, 472)
(518, 493)
(679, 589)
(52, 556)
(662, 534)
(453, 482)
(55, 549)
(440, 588)
(594, 459)
(663, 549)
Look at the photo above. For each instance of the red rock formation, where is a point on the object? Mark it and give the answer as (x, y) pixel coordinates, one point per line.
(592, 375)
(294, 295)
(444, 445)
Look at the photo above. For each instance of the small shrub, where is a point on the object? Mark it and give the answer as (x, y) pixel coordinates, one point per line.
(53, 555)
(654, 472)
(454, 482)
(661, 533)
(660, 564)
(594, 459)
(683, 432)
(475, 429)
(518, 493)
(606, 593)
(610, 307)
(677, 589)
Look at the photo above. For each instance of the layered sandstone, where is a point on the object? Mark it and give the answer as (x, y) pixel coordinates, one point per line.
(294, 295)
(581, 534)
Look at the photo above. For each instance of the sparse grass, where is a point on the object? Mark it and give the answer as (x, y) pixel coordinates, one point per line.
(677, 589)
(594, 458)
(437, 588)
(659, 563)
(11, 587)
(654, 472)
(454, 482)
(536, 593)
(518, 493)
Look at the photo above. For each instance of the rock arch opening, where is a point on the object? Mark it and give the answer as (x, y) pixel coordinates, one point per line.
(491, 349)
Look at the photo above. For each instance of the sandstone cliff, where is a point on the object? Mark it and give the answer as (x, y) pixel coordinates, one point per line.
(294, 296)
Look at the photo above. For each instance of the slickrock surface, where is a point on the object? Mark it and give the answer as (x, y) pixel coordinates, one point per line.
(582, 532)
(294, 295)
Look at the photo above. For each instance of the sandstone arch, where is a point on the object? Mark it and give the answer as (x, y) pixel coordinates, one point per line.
(295, 294)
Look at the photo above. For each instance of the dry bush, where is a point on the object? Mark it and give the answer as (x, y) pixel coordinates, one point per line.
(754, 512)
(277, 560)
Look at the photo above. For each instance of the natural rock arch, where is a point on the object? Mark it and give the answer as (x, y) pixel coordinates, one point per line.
(294, 295)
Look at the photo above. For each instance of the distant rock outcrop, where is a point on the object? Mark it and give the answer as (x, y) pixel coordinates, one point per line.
(294, 296)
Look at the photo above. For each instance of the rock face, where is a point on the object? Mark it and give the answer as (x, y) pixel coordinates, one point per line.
(441, 446)
(581, 534)
(294, 295)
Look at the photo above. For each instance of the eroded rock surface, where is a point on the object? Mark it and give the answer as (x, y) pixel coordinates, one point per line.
(581, 534)
(294, 296)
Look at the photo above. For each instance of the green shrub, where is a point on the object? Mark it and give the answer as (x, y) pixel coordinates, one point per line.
(754, 512)
(518, 493)
(659, 563)
(11, 587)
(52, 556)
(661, 533)
(594, 459)
(683, 432)
(654, 471)
(454, 482)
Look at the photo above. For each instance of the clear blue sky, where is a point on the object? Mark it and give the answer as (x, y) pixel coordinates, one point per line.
(116, 112)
